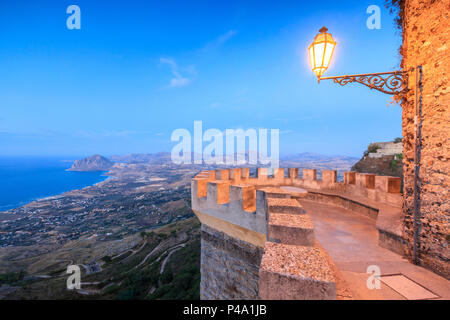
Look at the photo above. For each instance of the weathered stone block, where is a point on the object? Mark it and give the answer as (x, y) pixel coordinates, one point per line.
(200, 185)
(278, 174)
(349, 177)
(365, 180)
(262, 174)
(245, 195)
(388, 184)
(222, 175)
(245, 173)
(280, 205)
(291, 229)
(310, 174)
(293, 173)
(329, 177)
(235, 174)
(295, 273)
(218, 191)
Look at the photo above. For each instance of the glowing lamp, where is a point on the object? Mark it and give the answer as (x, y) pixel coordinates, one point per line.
(320, 52)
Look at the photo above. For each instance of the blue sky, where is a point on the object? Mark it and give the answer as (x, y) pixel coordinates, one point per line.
(137, 70)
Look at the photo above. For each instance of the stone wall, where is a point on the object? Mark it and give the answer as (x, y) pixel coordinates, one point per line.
(386, 149)
(229, 267)
(426, 42)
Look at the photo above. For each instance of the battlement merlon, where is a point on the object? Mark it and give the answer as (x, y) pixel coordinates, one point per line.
(226, 185)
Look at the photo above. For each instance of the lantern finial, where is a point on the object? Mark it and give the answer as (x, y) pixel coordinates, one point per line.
(323, 30)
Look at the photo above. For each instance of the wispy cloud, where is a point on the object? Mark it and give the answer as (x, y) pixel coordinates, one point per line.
(219, 41)
(226, 36)
(105, 133)
(181, 80)
(31, 132)
(178, 80)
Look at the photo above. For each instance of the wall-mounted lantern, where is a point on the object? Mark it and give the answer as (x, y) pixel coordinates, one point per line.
(320, 53)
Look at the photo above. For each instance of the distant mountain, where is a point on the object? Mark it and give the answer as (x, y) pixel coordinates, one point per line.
(152, 158)
(309, 156)
(93, 163)
(301, 160)
(318, 161)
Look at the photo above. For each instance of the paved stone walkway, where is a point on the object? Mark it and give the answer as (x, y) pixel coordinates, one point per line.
(351, 241)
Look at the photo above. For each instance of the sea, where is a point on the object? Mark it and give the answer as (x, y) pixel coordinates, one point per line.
(24, 179)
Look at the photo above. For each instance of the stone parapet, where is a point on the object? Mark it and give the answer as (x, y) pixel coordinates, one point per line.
(224, 183)
(263, 212)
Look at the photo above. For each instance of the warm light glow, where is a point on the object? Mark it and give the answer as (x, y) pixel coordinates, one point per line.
(320, 52)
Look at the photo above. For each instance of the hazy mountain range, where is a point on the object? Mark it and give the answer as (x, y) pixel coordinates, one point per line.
(301, 160)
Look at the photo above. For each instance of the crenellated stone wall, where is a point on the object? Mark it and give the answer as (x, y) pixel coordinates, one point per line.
(258, 242)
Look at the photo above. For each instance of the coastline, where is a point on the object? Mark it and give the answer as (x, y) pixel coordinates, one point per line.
(59, 195)
(107, 177)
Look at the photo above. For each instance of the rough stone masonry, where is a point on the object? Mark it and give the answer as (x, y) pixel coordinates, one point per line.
(229, 267)
(426, 42)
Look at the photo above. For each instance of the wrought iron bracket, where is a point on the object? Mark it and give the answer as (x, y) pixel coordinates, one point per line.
(387, 82)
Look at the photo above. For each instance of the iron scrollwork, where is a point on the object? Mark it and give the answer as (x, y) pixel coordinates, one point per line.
(387, 82)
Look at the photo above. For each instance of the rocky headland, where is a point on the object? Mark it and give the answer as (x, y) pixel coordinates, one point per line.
(93, 163)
